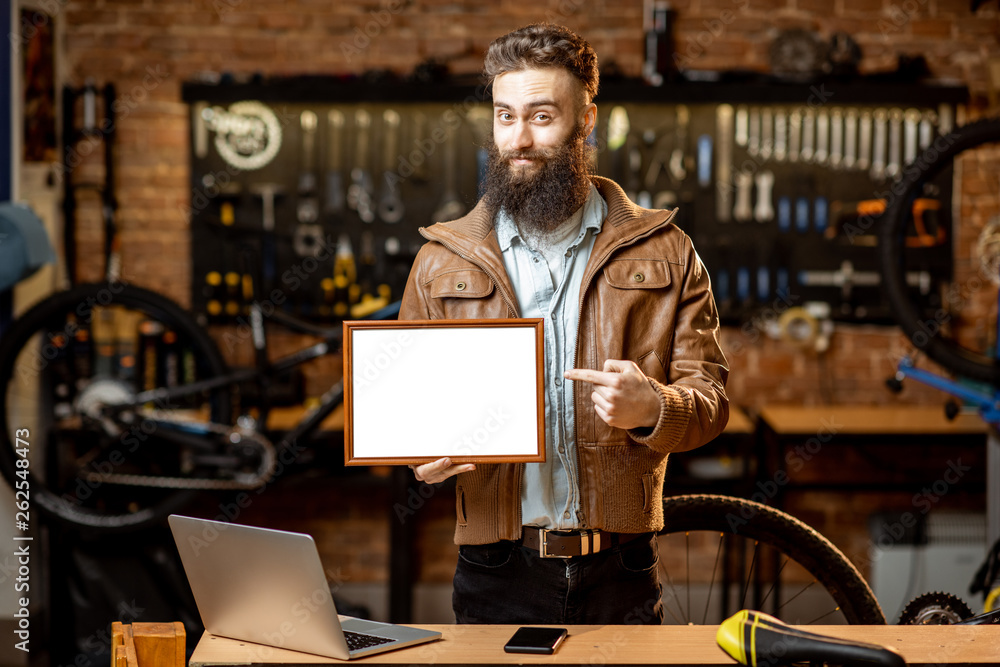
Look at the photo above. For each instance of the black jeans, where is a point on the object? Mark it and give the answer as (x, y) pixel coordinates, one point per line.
(507, 583)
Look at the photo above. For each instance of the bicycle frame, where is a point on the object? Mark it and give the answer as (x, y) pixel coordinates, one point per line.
(261, 373)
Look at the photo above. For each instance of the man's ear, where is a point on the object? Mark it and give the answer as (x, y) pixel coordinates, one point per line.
(589, 118)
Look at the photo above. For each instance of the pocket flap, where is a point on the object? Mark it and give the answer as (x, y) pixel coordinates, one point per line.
(463, 283)
(637, 273)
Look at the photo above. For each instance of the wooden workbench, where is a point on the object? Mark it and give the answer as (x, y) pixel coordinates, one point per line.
(620, 645)
(869, 420)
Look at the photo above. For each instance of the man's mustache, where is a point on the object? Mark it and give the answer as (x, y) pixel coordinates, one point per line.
(526, 155)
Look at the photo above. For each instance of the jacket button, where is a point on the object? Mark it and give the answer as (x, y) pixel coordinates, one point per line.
(460, 286)
(638, 277)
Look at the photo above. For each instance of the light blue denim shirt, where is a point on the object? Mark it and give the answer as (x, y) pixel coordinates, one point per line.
(550, 492)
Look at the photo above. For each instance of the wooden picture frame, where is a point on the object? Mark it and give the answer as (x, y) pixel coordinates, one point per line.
(418, 390)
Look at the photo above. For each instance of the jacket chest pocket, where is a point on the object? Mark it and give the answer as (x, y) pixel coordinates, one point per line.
(461, 284)
(637, 274)
(463, 294)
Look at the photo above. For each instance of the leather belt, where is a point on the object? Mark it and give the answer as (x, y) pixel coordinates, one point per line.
(570, 543)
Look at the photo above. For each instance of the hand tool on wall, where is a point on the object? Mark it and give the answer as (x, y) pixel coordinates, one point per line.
(781, 285)
(850, 138)
(880, 122)
(763, 283)
(360, 194)
(911, 122)
(214, 291)
(308, 238)
(821, 208)
(742, 131)
(780, 135)
(345, 276)
(766, 133)
(334, 204)
(822, 153)
(743, 210)
(926, 132)
(658, 165)
(268, 193)
(742, 284)
(753, 132)
(864, 140)
(808, 135)
(929, 230)
(893, 168)
(658, 162)
(802, 214)
(724, 163)
(836, 138)
(764, 210)
(794, 135)
(451, 206)
(705, 160)
(784, 214)
(390, 204)
(946, 118)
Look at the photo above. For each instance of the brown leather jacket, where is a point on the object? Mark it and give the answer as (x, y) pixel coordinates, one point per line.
(645, 297)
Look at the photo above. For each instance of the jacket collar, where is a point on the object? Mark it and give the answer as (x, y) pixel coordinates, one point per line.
(473, 235)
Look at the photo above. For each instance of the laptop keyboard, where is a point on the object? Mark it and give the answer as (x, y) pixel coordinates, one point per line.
(357, 641)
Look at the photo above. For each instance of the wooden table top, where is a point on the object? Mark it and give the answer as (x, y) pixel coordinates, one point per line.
(620, 645)
(868, 420)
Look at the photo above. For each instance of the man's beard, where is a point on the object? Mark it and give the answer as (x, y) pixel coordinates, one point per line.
(544, 195)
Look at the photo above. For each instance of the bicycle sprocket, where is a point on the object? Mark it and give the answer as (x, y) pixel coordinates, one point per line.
(935, 609)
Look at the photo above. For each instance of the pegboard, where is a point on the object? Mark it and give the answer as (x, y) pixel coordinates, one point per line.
(357, 168)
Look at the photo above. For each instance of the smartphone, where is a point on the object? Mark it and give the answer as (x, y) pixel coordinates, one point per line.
(536, 640)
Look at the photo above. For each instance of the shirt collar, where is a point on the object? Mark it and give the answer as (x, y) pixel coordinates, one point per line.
(595, 209)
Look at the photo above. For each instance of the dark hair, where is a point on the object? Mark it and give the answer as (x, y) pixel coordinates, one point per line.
(543, 45)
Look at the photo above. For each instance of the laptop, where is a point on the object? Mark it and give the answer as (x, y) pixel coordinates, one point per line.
(268, 587)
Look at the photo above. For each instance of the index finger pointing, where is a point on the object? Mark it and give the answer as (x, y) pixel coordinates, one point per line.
(586, 375)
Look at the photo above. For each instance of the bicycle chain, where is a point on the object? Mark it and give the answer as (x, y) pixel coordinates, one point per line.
(249, 481)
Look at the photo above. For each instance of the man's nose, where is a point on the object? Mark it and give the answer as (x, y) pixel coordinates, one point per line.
(521, 137)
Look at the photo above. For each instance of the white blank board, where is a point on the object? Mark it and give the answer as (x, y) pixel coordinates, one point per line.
(421, 391)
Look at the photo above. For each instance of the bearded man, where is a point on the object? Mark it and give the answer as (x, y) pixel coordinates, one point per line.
(633, 366)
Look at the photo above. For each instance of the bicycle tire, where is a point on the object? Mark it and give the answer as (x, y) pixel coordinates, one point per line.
(925, 336)
(91, 513)
(730, 516)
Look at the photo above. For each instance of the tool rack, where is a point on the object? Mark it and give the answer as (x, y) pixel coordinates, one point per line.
(314, 189)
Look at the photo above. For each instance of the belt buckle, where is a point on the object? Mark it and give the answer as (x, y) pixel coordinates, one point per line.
(543, 543)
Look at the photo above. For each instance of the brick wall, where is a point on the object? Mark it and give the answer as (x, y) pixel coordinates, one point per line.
(148, 48)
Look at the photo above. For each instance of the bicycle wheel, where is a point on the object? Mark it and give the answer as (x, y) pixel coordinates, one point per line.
(929, 333)
(719, 554)
(70, 355)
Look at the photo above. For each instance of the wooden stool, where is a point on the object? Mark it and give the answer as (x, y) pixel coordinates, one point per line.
(148, 644)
